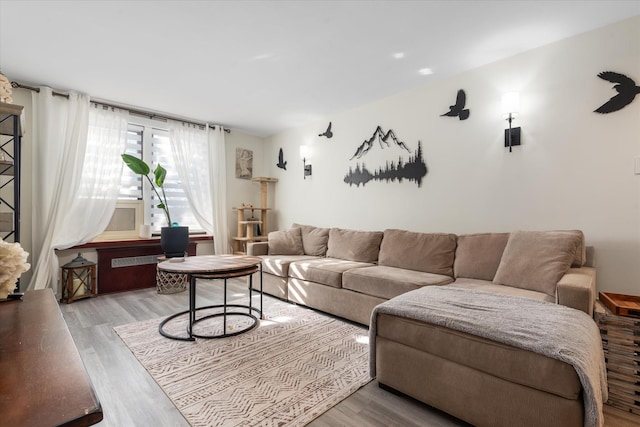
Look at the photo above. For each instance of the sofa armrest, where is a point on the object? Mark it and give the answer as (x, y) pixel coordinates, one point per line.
(258, 248)
(577, 289)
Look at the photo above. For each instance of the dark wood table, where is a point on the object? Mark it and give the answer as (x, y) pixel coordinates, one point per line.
(222, 267)
(43, 381)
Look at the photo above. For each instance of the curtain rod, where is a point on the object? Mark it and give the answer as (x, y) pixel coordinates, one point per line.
(130, 110)
(37, 89)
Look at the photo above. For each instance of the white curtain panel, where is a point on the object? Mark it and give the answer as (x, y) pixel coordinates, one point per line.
(218, 172)
(195, 154)
(59, 137)
(70, 202)
(95, 201)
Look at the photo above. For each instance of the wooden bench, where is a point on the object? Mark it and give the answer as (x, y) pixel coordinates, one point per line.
(43, 381)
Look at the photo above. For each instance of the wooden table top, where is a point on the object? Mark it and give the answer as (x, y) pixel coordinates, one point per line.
(43, 381)
(211, 264)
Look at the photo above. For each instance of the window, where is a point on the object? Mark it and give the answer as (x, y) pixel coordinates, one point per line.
(150, 141)
(131, 183)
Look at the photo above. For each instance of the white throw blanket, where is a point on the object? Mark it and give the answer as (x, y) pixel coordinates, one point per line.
(549, 329)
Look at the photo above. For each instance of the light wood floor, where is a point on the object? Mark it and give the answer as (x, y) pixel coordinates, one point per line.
(131, 398)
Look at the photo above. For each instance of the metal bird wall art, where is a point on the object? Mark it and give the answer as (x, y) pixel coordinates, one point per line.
(626, 88)
(458, 110)
(328, 133)
(282, 164)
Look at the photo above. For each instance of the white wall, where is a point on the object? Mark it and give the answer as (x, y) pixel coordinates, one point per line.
(239, 190)
(575, 169)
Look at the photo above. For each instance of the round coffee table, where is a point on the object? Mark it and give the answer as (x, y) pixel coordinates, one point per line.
(215, 267)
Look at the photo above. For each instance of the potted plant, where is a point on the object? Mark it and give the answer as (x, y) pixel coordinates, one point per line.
(174, 239)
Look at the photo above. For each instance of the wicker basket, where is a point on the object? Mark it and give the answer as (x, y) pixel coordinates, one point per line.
(170, 283)
(621, 345)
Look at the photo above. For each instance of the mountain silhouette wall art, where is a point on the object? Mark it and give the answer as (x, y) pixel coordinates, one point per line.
(382, 138)
(413, 170)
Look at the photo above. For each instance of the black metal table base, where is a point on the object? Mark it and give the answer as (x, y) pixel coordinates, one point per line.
(192, 335)
(224, 314)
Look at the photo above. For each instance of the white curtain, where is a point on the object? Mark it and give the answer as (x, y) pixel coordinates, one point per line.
(97, 195)
(73, 180)
(199, 156)
(218, 172)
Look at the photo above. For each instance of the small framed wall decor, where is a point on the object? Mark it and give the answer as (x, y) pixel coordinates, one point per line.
(244, 163)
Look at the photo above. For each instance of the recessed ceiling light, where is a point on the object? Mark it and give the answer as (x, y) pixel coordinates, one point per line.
(262, 56)
(398, 55)
(425, 71)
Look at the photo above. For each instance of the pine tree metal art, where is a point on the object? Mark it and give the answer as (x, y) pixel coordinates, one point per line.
(413, 170)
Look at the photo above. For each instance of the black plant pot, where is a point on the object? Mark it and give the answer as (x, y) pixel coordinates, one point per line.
(174, 241)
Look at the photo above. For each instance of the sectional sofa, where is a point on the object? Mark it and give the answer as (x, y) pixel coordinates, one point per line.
(348, 272)
(491, 375)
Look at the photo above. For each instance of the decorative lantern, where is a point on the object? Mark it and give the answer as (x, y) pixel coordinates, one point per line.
(78, 280)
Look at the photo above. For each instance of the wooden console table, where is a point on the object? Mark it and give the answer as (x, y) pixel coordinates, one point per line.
(43, 381)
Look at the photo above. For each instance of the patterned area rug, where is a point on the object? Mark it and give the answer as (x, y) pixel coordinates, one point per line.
(293, 367)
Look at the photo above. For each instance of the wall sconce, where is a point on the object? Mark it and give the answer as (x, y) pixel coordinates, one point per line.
(510, 106)
(304, 155)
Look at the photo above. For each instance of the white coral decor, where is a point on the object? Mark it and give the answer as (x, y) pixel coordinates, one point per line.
(13, 262)
(5, 89)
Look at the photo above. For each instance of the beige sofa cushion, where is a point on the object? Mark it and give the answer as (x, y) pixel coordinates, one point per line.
(285, 242)
(536, 260)
(427, 252)
(326, 271)
(353, 245)
(581, 253)
(388, 282)
(478, 255)
(278, 265)
(486, 286)
(499, 360)
(314, 239)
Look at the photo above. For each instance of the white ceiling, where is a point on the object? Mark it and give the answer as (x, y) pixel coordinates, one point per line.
(265, 66)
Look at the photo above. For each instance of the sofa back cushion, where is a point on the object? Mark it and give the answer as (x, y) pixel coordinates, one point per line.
(314, 239)
(581, 253)
(537, 260)
(285, 242)
(353, 245)
(427, 252)
(478, 255)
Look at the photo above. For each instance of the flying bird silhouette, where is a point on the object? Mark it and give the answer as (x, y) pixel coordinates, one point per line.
(282, 164)
(627, 91)
(458, 109)
(327, 132)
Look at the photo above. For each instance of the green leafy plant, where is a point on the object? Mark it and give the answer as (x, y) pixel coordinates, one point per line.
(139, 167)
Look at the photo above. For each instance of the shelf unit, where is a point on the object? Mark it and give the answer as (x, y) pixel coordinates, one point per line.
(247, 230)
(621, 346)
(11, 133)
